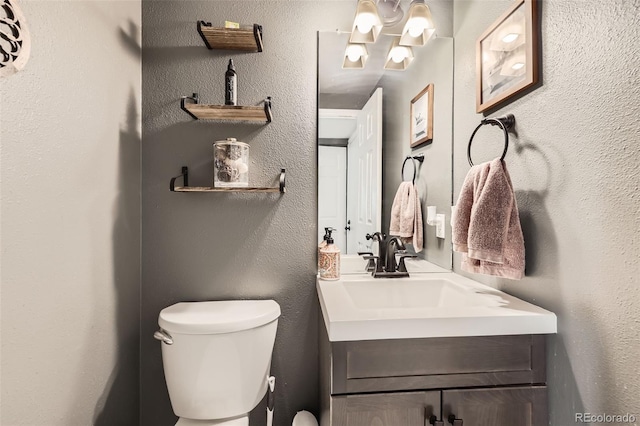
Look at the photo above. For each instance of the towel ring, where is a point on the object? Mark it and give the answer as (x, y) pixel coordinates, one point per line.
(420, 158)
(505, 123)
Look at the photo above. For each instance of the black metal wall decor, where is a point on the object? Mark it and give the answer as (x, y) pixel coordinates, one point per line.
(15, 43)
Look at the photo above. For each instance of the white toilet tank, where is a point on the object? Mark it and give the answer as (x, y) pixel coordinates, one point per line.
(218, 364)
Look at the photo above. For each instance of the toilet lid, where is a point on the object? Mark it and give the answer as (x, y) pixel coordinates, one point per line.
(224, 316)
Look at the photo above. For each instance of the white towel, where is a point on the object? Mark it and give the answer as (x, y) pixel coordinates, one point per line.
(406, 216)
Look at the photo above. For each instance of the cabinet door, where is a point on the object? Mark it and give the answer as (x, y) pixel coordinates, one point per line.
(521, 406)
(385, 409)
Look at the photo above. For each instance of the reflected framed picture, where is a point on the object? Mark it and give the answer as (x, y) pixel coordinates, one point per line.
(507, 56)
(421, 117)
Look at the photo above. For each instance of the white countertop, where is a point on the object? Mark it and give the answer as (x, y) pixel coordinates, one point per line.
(359, 307)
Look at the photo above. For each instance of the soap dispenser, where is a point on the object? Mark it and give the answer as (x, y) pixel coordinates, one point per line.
(329, 259)
(323, 243)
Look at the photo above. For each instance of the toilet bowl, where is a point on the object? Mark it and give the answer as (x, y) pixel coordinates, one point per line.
(216, 358)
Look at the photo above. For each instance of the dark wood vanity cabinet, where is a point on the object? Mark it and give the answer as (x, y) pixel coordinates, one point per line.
(500, 406)
(478, 381)
(398, 409)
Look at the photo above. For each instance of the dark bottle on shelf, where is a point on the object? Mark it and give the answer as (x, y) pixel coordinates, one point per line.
(231, 85)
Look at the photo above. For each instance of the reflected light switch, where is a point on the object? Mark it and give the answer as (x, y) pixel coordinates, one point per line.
(440, 218)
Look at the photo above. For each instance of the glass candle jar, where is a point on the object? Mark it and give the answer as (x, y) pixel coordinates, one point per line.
(230, 164)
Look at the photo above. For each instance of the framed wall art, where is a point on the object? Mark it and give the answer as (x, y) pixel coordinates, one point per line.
(421, 116)
(507, 56)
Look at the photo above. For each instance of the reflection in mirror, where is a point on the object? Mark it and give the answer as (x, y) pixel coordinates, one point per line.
(364, 138)
(350, 173)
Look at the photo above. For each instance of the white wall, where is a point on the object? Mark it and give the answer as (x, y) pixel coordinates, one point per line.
(574, 166)
(70, 216)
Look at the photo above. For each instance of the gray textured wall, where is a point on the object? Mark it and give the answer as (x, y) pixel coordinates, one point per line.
(432, 64)
(574, 165)
(231, 246)
(70, 196)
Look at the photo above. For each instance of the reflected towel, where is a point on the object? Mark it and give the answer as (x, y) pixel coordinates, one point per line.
(486, 224)
(406, 216)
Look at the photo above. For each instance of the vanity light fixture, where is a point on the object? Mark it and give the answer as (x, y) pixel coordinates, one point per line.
(367, 24)
(514, 65)
(419, 26)
(390, 12)
(510, 37)
(399, 57)
(355, 56)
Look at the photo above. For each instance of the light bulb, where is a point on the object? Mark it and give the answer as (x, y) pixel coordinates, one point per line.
(417, 25)
(365, 22)
(415, 31)
(510, 37)
(517, 66)
(354, 53)
(398, 54)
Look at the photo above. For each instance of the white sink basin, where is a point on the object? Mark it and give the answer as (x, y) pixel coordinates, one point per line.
(359, 307)
(415, 294)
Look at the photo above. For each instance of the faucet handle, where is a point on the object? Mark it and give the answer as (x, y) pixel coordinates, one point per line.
(371, 263)
(376, 236)
(401, 265)
(374, 265)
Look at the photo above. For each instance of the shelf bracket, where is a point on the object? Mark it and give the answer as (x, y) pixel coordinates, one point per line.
(185, 179)
(283, 189)
(267, 109)
(257, 33)
(200, 25)
(194, 100)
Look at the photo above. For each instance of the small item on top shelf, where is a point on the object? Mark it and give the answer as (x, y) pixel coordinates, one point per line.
(229, 24)
(230, 164)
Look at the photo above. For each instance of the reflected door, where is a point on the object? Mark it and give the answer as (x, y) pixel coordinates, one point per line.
(364, 176)
(332, 193)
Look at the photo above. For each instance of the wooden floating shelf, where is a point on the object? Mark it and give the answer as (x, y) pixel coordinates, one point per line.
(211, 189)
(228, 112)
(244, 39)
(186, 188)
(255, 114)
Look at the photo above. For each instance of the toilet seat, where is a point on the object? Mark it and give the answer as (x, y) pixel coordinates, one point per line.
(234, 421)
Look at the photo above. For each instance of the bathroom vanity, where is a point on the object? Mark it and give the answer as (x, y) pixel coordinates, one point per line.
(431, 349)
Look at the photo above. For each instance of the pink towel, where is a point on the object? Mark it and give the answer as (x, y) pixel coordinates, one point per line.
(486, 225)
(406, 216)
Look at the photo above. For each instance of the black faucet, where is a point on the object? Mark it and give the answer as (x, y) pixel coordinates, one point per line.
(394, 244)
(386, 266)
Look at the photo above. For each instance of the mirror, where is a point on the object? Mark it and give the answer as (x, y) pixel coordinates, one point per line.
(364, 138)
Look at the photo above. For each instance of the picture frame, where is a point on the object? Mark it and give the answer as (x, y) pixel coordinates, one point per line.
(421, 117)
(507, 55)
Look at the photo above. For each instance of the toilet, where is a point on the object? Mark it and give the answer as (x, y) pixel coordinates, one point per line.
(216, 357)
